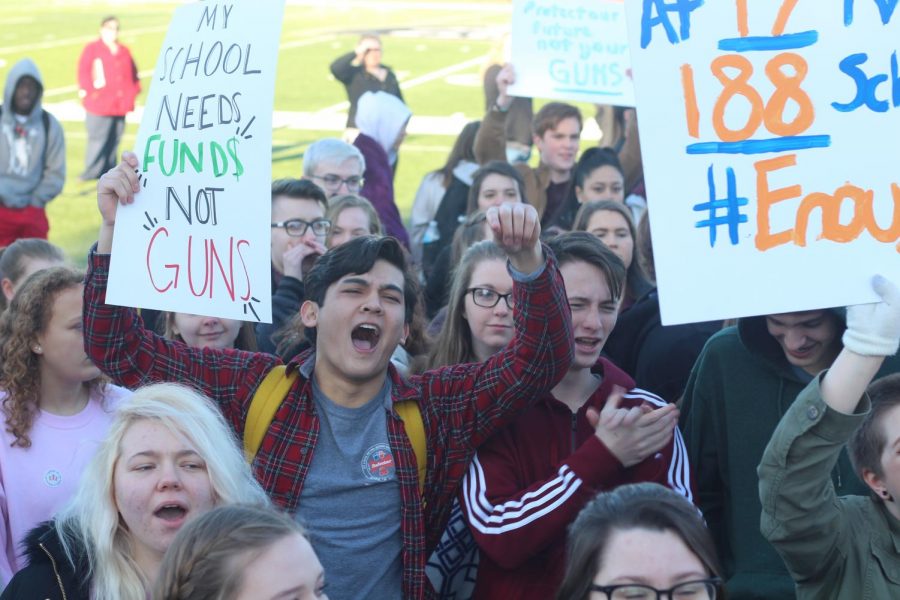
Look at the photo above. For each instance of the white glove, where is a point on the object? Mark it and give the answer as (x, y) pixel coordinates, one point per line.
(874, 329)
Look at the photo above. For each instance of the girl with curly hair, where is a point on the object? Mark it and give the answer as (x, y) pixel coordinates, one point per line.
(55, 406)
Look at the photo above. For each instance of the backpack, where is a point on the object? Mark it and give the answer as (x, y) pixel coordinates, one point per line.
(275, 387)
(45, 121)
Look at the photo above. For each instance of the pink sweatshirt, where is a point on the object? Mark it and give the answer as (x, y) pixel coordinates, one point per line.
(35, 482)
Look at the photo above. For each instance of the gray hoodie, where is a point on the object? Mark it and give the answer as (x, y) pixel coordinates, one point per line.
(25, 179)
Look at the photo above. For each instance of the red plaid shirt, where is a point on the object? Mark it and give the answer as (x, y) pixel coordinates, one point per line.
(461, 406)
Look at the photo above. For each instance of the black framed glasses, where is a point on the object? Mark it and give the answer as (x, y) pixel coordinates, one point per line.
(297, 227)
(488, 298)
(702, 589)
(333, 182)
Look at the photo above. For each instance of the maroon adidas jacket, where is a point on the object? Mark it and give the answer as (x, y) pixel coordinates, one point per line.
(530, 481)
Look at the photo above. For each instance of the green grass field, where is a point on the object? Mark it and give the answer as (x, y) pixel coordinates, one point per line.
(418, 41)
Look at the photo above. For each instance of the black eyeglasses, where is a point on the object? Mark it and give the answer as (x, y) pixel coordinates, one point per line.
(297, 227)
(333, 182)
(488, 298)
(703, 589)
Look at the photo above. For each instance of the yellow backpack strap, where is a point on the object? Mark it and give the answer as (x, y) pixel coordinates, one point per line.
(415, 429)
(263, 406)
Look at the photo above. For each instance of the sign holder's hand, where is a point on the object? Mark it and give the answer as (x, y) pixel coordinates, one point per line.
(517, 230)
(505, 78)
(117, 186)
(632, 434)
(874, 329)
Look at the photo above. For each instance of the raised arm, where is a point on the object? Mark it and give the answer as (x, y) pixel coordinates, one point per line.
(801, 514)
(490, 141)
(345, 67)
(116, 340)
(630, 153)
(473, 401)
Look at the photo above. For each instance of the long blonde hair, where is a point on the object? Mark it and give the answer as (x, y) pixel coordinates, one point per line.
(91, 520)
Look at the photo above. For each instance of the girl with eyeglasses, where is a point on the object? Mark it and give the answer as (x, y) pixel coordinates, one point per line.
(479, 314)
(640, 541)
(478, 323)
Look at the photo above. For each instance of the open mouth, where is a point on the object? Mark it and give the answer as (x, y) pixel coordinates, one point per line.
(170, 512)
(588, 344)
(365, 337)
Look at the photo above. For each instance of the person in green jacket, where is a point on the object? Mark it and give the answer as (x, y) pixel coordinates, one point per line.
(841, 547)
(743, 382)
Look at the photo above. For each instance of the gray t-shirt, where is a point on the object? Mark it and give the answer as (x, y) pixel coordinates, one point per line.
(350, 502)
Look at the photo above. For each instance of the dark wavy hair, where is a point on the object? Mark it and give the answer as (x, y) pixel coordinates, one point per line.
(358, 256)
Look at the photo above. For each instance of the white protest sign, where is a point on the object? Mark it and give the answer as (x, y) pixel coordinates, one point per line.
(197, 238)
(769, 135)
(571, 50)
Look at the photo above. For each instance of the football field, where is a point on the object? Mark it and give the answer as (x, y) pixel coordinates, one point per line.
(437, 49)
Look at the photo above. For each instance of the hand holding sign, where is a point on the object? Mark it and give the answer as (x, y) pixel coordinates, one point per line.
(572, 50)
(517, 230)
(200, 241)
(118, 185)
(505, 78)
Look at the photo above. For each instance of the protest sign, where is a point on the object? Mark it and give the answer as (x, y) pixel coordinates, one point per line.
(197, 238)
(571, 50)
(768, 133)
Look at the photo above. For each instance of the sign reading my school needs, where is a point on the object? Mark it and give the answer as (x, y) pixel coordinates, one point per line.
(571, 50)
(769, 135)
(197, 238)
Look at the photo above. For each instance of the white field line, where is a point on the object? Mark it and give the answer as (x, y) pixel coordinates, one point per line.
(71, 89)
(74, 40)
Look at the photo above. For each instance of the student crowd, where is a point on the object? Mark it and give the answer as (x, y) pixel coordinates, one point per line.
(484, 405)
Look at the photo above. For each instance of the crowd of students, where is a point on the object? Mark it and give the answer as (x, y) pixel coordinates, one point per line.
(486, 407)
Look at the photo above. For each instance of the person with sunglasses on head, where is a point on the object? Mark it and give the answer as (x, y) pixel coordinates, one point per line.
(299, 231)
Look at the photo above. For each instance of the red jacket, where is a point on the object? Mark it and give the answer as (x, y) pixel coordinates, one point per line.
(116, 98)
(530, 481)
(461, 406)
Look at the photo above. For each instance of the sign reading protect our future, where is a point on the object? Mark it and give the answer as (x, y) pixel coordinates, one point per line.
(197, 238)
(769, 136)
(571, 50)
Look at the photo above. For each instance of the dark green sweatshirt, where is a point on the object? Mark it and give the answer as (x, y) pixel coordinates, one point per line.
(737, 393)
